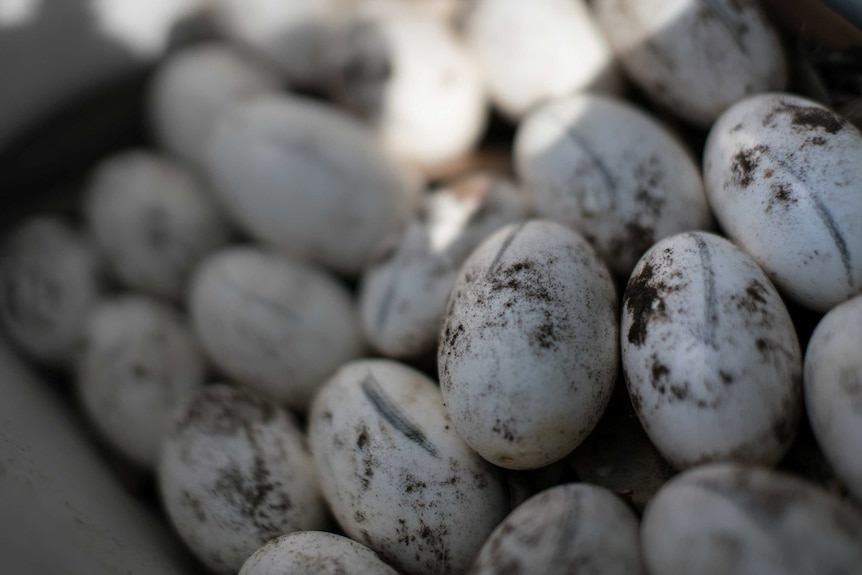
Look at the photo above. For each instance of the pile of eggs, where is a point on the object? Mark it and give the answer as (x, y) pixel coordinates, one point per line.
(337, 343)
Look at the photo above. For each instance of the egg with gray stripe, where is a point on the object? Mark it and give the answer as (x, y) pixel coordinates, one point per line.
(783, 175)
(710, 354)
(396, 474)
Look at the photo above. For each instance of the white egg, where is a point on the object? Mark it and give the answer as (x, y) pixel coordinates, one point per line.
(571, 528)
(710, 355)
(833, 390)
(695, 58)
(411, 78)
(273, 324)
(49, 282)
(403, 297)
(314, 553)
(139, 363)
(533, 52)
(611, 172)
(235, 472)
(396, 474)
(529, 348)
(724, 519)
(307, 178)
(784, 177)
(152, 220)
(192, 88)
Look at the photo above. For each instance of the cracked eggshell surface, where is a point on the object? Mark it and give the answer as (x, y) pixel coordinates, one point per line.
(50, 279)
(571, 528)
(710, 354)
(235, 472)
(695, 58)
(532, 52)
(833, 390)
(314, 553)
(273, 324)
(152, 221)
(396, 474)
(611, 172)
(529, 347)
(727, 518)
(309, 179)
(403, 297)
(139, 363)
(783, 175)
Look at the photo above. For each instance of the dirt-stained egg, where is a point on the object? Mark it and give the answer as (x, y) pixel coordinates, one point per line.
(710, 355)
(139, 363)
(50, 279)
(611, 172)
(783, 175)
(571, 528)
(731, 519)
(832, 379)
(314, 553)
(235, 472)
(396, 474)
(695, 58)
(272, 323)
(529, 347)
(403, 296)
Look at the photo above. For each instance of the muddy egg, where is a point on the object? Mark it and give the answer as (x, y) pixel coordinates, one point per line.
(784, 177)
(529, 347)
(403, 296)
(833, 390)
(235, 472)
(273, 324)
(139, 363)
(610, 171)
(695, 58)
(710, 354)
(396, 474)
(50, 278)
(152, 221)
(727, 518)
(314, 553)
(571, 528)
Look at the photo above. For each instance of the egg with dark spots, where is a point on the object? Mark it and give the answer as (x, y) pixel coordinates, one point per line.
(710, 353)
(397, 476)
(731, 519)
(571, 528)
(235, 472)
(529, 347)
(783, 175)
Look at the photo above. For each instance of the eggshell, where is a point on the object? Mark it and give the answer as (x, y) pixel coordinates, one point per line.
(308, 179)
(532, 52)
(193, 87)
(731, 519)
(314, 553)
(397, 476)
(608, 170)
(571, 528)
(235, 472)
(412, 79)
(152, 220)
(529, 348)
(273, 324)
(833, 390)
(403, 296)
(710, 354)
(139, 363)
(695, 58)
(50, 278)
(784, 177)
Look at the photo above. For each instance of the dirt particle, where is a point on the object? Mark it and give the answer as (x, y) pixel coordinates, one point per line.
(818, 141)
(644, 301)
(744, 164)
(781, 196)
(813, 117)
(726, 378)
